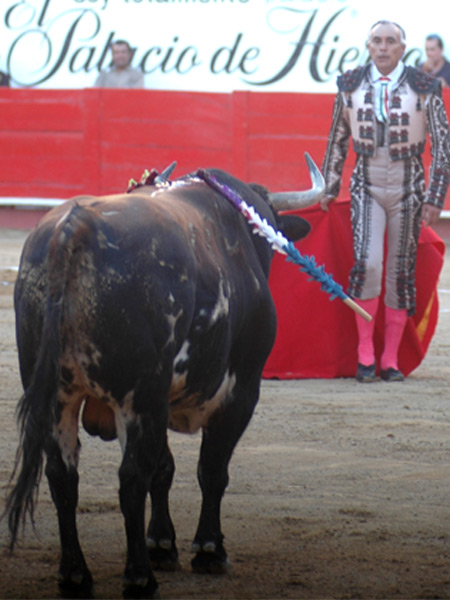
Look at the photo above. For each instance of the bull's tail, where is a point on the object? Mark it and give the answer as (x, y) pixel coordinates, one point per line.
(35, 417)
(37, 407)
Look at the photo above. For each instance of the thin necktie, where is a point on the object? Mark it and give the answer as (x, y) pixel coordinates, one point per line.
(384, 100)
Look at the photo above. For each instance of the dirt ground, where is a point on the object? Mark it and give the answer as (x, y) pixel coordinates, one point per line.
(338, 489)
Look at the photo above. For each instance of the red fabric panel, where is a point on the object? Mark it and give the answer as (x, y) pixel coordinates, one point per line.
(317, 337)
(61, 143)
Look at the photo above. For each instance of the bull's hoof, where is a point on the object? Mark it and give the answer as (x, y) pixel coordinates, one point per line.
(135, 592)
(139, 585)
(163, 555)
(138, 581)
(75, 583)
(210, 559)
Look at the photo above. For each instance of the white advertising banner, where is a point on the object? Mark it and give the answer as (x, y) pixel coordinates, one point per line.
(205, 45)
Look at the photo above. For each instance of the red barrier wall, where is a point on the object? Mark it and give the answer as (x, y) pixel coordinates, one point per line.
(60, 143)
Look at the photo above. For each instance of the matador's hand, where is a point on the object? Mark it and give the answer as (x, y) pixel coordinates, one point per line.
(430, 214)
(326, 200)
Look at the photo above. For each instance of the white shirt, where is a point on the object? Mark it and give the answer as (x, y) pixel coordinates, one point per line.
(394, 76)
(123, 78)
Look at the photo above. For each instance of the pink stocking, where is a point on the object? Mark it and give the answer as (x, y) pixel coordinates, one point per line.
(395, 321)
(366, 354)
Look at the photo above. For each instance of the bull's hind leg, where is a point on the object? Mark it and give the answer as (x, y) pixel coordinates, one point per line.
(161, 533)
(61, 470)
(219, 440)
(143, 447)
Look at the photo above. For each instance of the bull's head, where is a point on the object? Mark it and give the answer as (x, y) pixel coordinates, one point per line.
(296, 200)
(279, 200)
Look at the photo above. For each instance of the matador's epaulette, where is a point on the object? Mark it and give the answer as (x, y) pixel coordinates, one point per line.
(421, 82)
(350, 80)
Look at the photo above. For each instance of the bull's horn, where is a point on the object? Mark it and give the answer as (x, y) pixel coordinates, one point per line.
(296, 200)
(165, 175)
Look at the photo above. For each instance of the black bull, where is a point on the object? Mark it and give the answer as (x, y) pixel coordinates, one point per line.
(142, 311)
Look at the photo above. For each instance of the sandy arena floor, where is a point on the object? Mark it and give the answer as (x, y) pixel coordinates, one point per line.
(337, 490)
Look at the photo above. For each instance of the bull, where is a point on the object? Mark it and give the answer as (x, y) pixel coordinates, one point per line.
(141, 312)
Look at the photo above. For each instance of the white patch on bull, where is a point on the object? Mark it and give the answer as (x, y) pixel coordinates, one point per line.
(256, 282)
(109, 213)
(179, 378)
(223, 303)
(172, 321)
(189, 414)
(63, 218)
(220, 309)
(113, 246)
(65, 431)
(124, 415)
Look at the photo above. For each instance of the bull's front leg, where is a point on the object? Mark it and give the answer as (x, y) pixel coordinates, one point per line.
(210, 554)
(161, 532)
(219, 440)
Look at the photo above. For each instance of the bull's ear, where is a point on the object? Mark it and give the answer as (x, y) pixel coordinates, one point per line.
(294, 227)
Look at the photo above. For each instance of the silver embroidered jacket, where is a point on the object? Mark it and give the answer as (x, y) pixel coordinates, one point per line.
(416, 108)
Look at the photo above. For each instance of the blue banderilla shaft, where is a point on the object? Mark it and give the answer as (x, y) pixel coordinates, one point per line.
(282, 245)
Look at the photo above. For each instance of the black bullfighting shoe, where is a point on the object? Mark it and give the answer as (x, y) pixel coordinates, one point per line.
(366, 373)
(391, 374)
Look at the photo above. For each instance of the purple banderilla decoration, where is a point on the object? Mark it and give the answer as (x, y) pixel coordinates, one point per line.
(281, 244)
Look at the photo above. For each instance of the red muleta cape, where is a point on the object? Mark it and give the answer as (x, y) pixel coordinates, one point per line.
(317, 337)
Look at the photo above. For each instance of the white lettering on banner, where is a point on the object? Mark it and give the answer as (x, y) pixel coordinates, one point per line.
(203, 45)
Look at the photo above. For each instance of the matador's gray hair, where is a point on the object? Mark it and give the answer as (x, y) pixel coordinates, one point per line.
(387, 22)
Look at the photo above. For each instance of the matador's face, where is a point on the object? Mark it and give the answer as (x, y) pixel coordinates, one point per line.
(386, 47)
